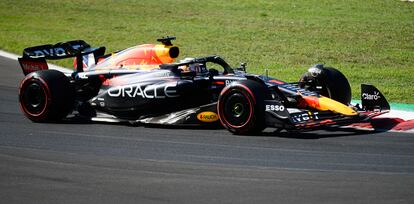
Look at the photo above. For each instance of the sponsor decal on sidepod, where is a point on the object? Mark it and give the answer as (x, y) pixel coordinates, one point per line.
(276, 108)
(207, 116)
(152, 91)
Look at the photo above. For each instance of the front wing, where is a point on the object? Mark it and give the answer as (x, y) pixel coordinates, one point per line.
(278, 116)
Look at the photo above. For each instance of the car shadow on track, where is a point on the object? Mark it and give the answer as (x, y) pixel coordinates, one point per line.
(325, 132)
(319, 134)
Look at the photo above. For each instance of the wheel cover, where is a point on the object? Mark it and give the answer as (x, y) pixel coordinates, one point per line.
(237, 109)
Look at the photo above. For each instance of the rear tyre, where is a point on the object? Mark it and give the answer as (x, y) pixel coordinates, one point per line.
(46, 96)
(328, 82)
(241, 107)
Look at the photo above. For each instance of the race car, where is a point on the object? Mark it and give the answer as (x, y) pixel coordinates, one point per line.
(144, 85)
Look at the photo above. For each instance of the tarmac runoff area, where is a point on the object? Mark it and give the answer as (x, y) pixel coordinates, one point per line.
(400, 118)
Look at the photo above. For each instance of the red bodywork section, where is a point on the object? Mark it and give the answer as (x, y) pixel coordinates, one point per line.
(147, 56)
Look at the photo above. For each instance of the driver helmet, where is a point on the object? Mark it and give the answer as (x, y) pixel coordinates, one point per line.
(198, 68)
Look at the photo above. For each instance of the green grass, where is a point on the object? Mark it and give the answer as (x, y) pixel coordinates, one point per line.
(369, 41)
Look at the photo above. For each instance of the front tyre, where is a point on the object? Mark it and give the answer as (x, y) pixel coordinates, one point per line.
(46, 96)
(328, 82)
(241, 107)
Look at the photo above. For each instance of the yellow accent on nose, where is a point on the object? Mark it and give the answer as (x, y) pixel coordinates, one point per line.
(325, 103)
(336, 106)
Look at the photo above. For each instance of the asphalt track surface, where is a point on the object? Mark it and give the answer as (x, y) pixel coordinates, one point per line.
(115, 163)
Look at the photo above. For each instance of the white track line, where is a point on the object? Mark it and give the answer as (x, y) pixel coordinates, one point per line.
(405, 115)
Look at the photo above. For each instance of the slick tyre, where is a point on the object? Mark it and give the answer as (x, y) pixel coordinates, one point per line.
(46, 96)
(328, 82)
(241, 107)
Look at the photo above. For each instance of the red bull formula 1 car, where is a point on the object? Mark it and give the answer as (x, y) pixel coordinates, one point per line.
(144, 85)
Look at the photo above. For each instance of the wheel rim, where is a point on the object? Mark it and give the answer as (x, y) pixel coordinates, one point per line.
(237, 109)
(34, 99)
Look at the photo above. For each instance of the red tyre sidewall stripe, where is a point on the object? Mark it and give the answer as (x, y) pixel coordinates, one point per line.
(45, 89)
(240, 85)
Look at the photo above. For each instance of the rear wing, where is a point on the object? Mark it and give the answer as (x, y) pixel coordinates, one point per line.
(34, 58)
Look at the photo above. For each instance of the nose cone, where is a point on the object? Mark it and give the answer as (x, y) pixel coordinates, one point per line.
(336, 106)
(324, 104)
